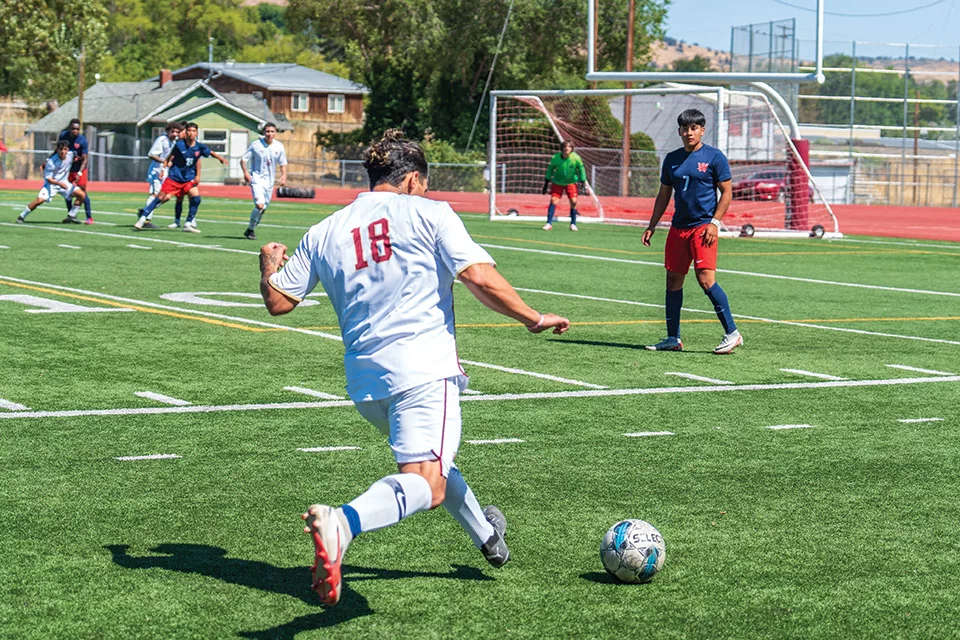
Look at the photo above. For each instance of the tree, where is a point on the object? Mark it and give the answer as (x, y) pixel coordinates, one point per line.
(696, 63)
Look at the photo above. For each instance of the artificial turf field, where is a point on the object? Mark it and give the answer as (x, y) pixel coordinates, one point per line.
(844, 526)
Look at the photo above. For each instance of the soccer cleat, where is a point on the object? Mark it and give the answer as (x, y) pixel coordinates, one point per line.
(191, 227)
(249, 234)
(20, 220)
(495, 549)
(573, 227)
(139, 223)
(667, 344)
(149, 225)
(730, 342)
(496, 518)
(547, 227)
(88, 221)
(173, 225)
(140, 213)
(70, 220)
(329, 542)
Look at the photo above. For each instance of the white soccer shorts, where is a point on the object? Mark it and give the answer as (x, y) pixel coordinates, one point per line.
(422, 423)
(261, 193)
(155, 180)
(50, 190)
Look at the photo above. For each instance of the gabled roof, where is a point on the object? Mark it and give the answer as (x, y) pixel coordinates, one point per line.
(183, 111)
(280, 77)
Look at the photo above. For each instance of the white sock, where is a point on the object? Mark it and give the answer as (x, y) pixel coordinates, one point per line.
(460, 502)
(73, 211)
(150, 199)
(25, 213)
(391, 499)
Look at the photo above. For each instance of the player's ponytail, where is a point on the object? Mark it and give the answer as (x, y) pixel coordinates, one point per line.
(390, 159)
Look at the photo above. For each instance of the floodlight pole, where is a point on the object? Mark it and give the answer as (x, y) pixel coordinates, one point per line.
(627, 107)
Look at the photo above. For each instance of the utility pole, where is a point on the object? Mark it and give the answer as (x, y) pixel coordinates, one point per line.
(596, 36)
(80, 85)
(627, 107)
(916, 144)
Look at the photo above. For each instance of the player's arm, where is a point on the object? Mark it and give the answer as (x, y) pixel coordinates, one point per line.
(272, 257)
(243, 168)
(84, 148)
(551, 169)
(659, 208)
(492, 289)
(581, 173)
(218, 157)
(282, 180)
(712, 230)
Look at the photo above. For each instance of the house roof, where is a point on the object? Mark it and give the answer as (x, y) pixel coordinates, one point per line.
(281, 77)
(137, 103)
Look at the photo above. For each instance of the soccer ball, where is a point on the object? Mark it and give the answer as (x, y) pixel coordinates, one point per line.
(633, 551)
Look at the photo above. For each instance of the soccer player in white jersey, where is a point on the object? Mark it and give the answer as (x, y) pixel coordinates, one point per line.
(56, 172)
(259, 165)
(157, 171)
(388, 262)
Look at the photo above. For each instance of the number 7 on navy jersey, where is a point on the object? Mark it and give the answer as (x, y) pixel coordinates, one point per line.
(378, 239)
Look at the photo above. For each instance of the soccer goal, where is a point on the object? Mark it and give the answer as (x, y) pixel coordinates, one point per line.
(773, 189)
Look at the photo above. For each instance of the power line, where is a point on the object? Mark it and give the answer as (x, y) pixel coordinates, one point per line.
(864, 15)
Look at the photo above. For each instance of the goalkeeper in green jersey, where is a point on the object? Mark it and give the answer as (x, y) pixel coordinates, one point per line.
(565, 174)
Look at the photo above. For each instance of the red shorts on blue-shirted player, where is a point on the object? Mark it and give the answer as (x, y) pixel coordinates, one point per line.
(685, 246)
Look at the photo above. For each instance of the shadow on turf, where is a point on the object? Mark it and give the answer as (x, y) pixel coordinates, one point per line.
(618, 345)
(291, 581)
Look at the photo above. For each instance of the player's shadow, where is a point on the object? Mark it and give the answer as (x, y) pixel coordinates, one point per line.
(616, 345)
(290, 581)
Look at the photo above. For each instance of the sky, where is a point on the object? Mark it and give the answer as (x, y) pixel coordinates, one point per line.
(708, 24)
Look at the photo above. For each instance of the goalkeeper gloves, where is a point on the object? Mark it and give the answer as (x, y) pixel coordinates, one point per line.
(546, 185)
(581, 187)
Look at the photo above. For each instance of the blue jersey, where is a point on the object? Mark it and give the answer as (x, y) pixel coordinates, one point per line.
(185, 159)
(694, 177)
(78, 144)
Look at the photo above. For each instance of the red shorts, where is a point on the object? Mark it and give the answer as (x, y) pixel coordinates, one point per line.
(560, 189)
(685, 246)
(177, 189)
(79, 179)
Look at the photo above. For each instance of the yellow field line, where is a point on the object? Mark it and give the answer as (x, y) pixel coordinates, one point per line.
(124, 305)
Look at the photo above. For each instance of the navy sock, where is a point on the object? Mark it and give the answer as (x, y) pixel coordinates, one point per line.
(147, 210)
(194, 206)
(550, 211)
(178, 210)
(573, 215)
(353, 519)
(722, 307)
(69, 202)
(86, 206)
(674, 300)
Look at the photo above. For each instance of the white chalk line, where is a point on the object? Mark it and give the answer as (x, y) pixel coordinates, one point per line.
(649, 434)
(542, 395)
(159, 397)
(781, 427)
(324, 449)
(154, 456)
(471, 392)
(733, 271)
(745, 317)
(533, 374)
(495, 441)
(812, 374)
(932, 372)
(313, 393)
(12, 406)
(690, 376)
(68, 246)
(921, 420)
(904, 244)
(3, 246)
(137, 246)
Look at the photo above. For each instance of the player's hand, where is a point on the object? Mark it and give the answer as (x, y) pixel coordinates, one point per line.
(246, 177)
(546, 186)
(273, 255)
(282, 181)
(559, 324)
(581, 187)
(709, 235)
(647, 234)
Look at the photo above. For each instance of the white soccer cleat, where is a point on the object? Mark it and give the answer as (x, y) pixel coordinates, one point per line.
(573, 227)
(139, 223)
(329, 542)
(547, 227)
(191, 227)
(173, 225)
(667, 344)
(730, 342)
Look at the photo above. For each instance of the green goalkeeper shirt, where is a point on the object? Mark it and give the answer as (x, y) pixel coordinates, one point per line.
(562, 171)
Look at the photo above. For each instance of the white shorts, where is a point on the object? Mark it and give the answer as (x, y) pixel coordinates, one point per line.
(155, 180)
(261, 193)
(50, 190)
(422, 423)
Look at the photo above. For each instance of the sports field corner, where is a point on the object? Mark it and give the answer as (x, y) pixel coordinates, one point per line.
(160, 435)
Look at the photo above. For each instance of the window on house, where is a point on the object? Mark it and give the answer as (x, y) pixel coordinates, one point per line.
(335, 103)
(216, 139)
(756, 129)
(157, 132)
(300, 102)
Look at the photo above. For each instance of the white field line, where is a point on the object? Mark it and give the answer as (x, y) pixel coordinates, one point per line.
(137, 246)
(495, 441)
(68, 246)
(932, 372)
(737, 315)
(811, 374)
(921, 420)
(471, 392)
(323, 449)
(12, 406)
(739, 273)
(155, 456)
(649, 434)
(543, 395)
(780, 427)
(132, 216)
(166, 307)
(690, 376)
(543, 376)
(315, 394)
(3, 246)
(905, 244)
(159, 397)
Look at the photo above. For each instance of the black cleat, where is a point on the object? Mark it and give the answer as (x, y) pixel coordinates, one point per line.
(149, 225)
(495, 549)
(70, 220)
(249, 234)
(20, 220)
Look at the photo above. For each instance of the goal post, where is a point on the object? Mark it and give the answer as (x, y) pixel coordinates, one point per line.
(775, 192)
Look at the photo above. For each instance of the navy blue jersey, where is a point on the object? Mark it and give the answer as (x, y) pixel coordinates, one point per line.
(184, 160)
(78, 144)
(694, 177)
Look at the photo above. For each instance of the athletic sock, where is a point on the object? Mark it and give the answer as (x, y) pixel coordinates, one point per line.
(722, 307)
(390, 500)
(86, 207)
(148, 210)
(178, 210)
(254, 219)
(150, 199)
(573, 215)
(674, 300)
(552, 209)
(194, 207)
(23, 214)
(460, 502)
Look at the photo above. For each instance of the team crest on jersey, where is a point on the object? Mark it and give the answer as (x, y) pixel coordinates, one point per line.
(196, 154)
(703, 166)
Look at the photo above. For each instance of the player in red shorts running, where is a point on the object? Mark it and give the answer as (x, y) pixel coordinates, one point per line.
(693, 175)
(565, 175)
(78, 171)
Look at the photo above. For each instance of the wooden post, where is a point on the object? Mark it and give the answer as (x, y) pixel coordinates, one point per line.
(916, 144)
(627, 107)
(596, 36)
(80, 86)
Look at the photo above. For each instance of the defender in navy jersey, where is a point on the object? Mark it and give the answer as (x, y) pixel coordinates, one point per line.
(78, 170)
(693, 175)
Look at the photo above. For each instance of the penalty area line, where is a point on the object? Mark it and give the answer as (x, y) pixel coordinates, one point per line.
(154, 456)
(533, 374)
(324, 449)
(159, 397)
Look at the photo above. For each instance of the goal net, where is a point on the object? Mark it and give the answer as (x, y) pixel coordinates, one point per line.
(774, 192)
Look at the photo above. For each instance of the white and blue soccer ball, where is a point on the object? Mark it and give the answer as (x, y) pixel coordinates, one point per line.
(633, 551)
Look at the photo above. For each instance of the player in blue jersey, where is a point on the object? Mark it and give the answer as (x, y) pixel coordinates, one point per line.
(78, 171)
(182, 162)
(157, 171)
(693, 175)
(56, 170)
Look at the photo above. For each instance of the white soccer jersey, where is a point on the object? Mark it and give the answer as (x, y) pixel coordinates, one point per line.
(160, 149)
(55, 169)
(262, 161)
(388, 263)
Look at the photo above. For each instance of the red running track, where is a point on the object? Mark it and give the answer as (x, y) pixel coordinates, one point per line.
(926, 223)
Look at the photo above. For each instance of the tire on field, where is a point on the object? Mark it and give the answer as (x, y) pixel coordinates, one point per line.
(817, 231)
(513, 213)
(747, 231)
(296, 192)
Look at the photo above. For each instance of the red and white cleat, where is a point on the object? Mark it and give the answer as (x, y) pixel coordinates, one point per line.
(730, 342)
(330, 542)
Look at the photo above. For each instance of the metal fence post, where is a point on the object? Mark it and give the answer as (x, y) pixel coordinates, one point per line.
(903, 140)
(343, 172)
(503, 177)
